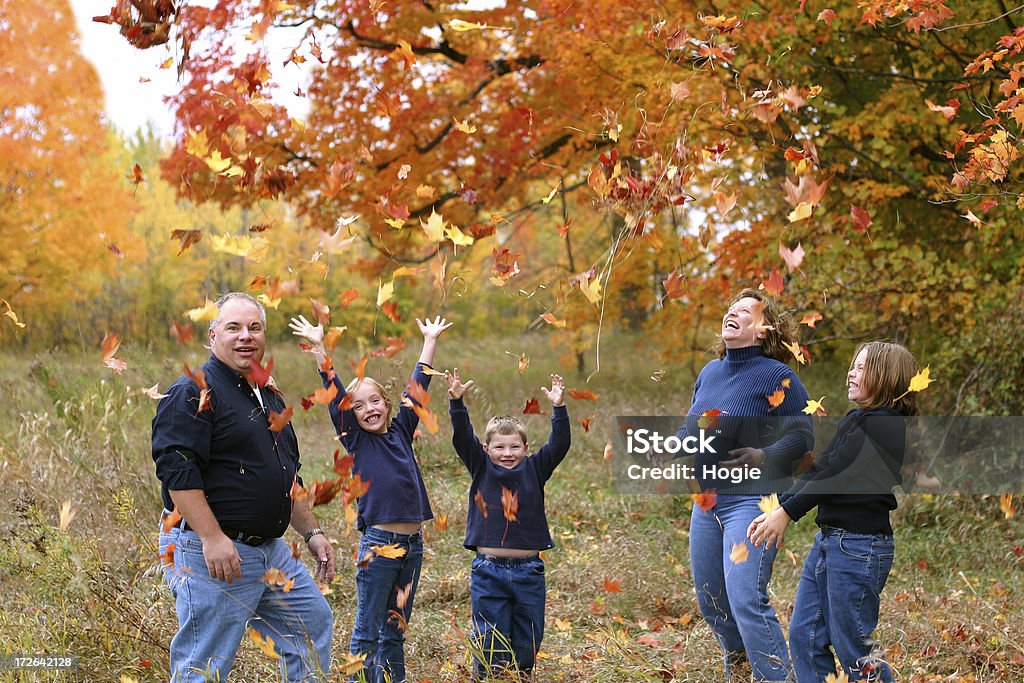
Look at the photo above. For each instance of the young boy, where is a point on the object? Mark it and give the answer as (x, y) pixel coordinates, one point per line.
(507, 526)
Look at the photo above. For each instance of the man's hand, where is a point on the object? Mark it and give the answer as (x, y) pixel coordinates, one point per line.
(768, 529)
(556, 394)
(323, 553)
(432, 329)
(222, 560)
(744, 457)
(456, 389)
(303, 328)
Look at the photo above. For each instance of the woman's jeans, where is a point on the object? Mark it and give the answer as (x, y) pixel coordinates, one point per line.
(836, 606)
(381, 584)
(213, 615)
(733, 597)
(508, 597)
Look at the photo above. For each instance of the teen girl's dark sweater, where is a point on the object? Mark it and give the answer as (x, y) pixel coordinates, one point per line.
(731, 401)
(486, 523)
(851, 481)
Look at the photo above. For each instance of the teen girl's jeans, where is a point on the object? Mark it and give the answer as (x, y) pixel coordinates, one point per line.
(508, 613)
(733, 597)
(836, 606)
(378, 632)
(213, 615)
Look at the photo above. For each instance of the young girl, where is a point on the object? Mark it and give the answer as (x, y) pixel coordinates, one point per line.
(837, 598)
(392, 510)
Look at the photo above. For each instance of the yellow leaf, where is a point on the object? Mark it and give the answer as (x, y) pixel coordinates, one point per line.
(1006, 505)
(154, 393)
(385, 292)
(216, 162)
(464, 126)
(563, 625)
(67, 513)
(350, 514)
(353, 664)
(460, 25)
(547, 200)
(434, 226)
(794, 348)
(739, 553)
(391, 551)
(590, 288)
(396, 223)
(203, 314)
(425, 192)
(406, 271)
(921, 380)
(458, 238)
(266, 645)
(252, 248)
(233, 172)
(802, 211)
(167, 63)
(196, 143)
(815, 407)
(298, 125)
(11, 314)
(767, 504)
(268, 302)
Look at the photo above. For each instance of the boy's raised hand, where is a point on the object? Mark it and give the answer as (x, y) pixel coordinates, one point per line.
(456, 389)
(303, 328)
(432, 329)
(556, 394)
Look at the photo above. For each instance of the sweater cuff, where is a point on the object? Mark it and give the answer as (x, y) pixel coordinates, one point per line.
(792, 510)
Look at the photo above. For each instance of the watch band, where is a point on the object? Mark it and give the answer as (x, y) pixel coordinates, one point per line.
(315, 531)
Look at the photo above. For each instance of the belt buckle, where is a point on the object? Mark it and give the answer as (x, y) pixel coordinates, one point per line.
(251, 540)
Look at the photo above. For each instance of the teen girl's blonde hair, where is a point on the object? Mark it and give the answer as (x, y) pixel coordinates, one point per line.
(888, 369)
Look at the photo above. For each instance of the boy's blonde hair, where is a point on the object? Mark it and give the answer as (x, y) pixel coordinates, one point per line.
(505, 425)
(354, 384)
(888, 369)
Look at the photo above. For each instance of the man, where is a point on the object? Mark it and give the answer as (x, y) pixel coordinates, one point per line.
(230, 477)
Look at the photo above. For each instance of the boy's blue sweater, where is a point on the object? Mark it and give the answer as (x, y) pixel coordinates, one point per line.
(738, 387)
(386, 461)
(526, 480)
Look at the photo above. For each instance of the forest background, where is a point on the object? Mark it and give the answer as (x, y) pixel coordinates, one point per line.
(582, 187)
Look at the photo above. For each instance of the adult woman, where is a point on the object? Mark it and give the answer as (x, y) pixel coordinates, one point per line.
(752, 402)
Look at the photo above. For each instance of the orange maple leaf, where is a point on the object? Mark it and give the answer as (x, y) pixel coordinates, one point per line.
(325, 491)
(509, 504)
(109, 346)
(348, 296)
(776, 398)
(186, 238)
(586, 423)
(171, 520)
(673, 286)
(774, 284)
(181, 333)
(266, 645)
(359, 369)
(552, 320)
(390, 309)
(392, 346)
(320, 397)
(354, 488)
(279, 421)
(342, 464)
(197, 376)
(167, 557)
(612, 585)
(392, 551)
(441, 522)
(705, 500)
(532, 407)
(481, 504)
(583, 395)
(321, 311)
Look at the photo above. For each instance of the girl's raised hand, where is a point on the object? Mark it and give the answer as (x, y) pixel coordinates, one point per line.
(456, 389)
(556, 394)
(303, 328)
(432, 329)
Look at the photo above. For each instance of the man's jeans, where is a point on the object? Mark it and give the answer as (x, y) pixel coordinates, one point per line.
(508, 613)
(378, 633)
(837, 606)
(733, 597)
(213, 615)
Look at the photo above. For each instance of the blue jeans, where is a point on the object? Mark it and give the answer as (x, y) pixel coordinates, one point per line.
(837, 606)
(508, 597)
(213, 615)
(733, 598)
(377, 632)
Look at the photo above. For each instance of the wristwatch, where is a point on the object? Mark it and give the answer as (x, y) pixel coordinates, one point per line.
(315, 531)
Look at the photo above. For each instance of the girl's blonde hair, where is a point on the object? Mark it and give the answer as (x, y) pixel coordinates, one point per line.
(779, 329)
(356, 382)
(888, 369)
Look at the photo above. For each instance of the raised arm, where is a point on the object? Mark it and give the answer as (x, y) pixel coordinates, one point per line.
(554, 451)
(466, 444)
(431, 330)
(313, 335)
(344, 420)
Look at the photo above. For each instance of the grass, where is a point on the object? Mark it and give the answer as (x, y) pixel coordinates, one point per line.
(71, 430)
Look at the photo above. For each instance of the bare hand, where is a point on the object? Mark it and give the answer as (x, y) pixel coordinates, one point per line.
(432, 329)
(456, 389)
(303, 328)
(323, 552)
(222, 560)
(745, 457)
(556, 394)
(769, 529)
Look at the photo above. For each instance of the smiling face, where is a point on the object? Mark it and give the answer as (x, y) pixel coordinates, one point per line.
(741, 325)
(856, 390)
(238, 338)
(370, 407)
(506, 450)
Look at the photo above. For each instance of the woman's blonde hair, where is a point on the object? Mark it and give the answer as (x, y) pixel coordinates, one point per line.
(778, 328)
(356, 382)
(888, 369)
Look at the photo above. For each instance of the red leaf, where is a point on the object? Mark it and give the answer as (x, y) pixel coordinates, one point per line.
(586, 423)
(861, 220)
(258, 374)
(532, 407)
(109, 346)
(612, 585)
(348, 296)
(481, 504)
(583, 395)
(197, 376)
(774, 284)
(181, 333)
(673, 285)
(390, 309)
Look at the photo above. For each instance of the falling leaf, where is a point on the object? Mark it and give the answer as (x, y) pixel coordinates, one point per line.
(798, 354)
(116, 364)
(739, 553)
(404, 54)
(403, 172)
(547, 200)
(792, 257)
(509, 504)
(481, 504)
(815, 407)
(274, 577)
(551, 320)
(278, 421)
(774, 284)
(196, 143)
(321, 397)
(392, 551)
(585, 422)
(464, 126)
(170, 520)
(359, 368)
(974, 220)
(1007, 506)
(801, 212)
(725, 202)
(673, 285)
(776, 398)
(524, 362)
(461, 25)
(9, 313)
(768, 504)
(266, 645)
(860, 218)
(811, 319)
(709, 419)
(67, 513)
(321, 311)
(705, 500)
(153, 393)
(612, 585)
(108, 347)
(167, 557)
(203, 314)
(441, 522)
(348, 296)
(827, 15)
(921, 380)
(181, 333)
(583, 395)
(352, 664)
(332, 336)
(385, 291)
(458, 238)
(948, 110)
(532, 407)
(390, 310)
(786, 382)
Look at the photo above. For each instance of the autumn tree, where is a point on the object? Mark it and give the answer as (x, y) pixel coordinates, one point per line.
(64, 207)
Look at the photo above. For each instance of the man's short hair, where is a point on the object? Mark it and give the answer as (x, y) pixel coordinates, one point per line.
(238, 295)
(505, 425)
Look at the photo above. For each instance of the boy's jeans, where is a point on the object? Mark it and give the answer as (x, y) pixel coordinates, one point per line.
(377, 632)
(508, 612)
(734, 597)
(837, 605)
(213, 615)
